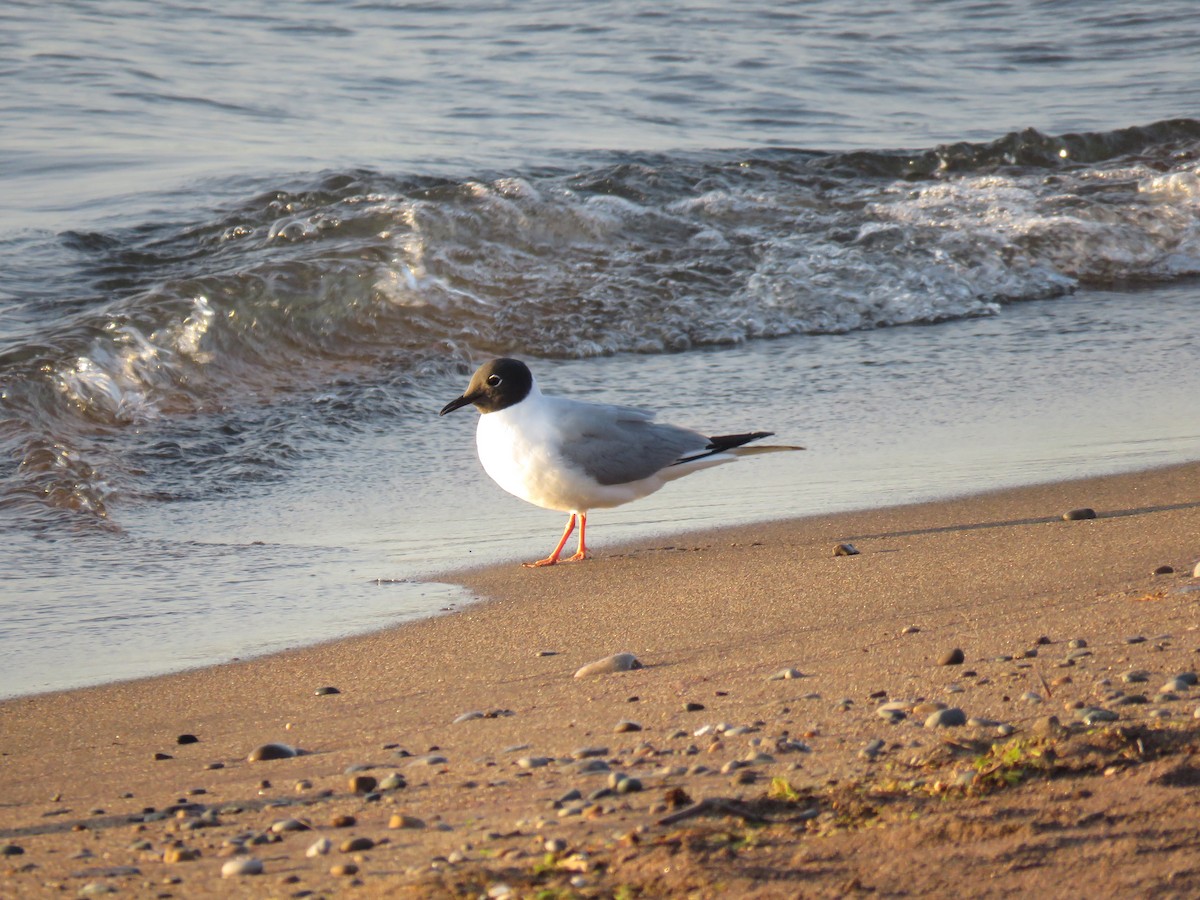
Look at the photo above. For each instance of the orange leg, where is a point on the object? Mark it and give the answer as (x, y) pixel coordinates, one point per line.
(553, 557)
(581, 553)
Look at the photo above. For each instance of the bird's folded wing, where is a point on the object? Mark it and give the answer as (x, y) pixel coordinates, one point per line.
(619, 444)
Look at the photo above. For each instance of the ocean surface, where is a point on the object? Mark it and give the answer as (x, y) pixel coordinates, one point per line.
(248, 251)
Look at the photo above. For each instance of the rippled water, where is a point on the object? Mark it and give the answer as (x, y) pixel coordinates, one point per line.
(246, 256)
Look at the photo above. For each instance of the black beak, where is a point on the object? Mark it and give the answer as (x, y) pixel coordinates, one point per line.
(456, 403)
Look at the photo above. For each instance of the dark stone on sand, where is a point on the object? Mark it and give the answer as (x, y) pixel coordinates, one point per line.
(11, 849)
(1165, 570)
(954, 658)
(1077, 515)
(1042, 641)
(845, 550)
(159, 757)
(343, 822)
(693, 707)
(356, 845)
(187, 739)
(363, 784)
(626, 725)
(326, 691)
(343, 869)
(271, 751)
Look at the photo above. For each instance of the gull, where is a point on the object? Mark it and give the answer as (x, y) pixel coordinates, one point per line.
(574, 456)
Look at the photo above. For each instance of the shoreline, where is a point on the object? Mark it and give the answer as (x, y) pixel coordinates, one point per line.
(711, 614)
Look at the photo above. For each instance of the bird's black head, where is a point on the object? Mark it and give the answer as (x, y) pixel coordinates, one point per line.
(496, 385)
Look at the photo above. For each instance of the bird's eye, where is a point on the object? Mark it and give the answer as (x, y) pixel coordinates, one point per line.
(495, 380)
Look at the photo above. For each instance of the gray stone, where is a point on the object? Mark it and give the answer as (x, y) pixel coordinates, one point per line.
(1079, 515)
(872, 749)
(1092, 715)
(946, 718)
(954, 657)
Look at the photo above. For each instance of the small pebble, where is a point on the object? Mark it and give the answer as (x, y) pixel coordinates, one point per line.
(343, 869)
(910, 629)
(1077, 515)
(356, 845)
(399, 820)
(320, 847)
(288, 825)
(619, 662)
(242, 865)
(326, 691)
(693, 707)
(953, 658)
(1077, 644)
(272, 751)
(11, 850)
(785, 675)
(1165, 570)
(343, 821)
(393, 782)
(1175, 685)
(625, 725)
(1196, 571)
(187, 739)
(96, 889)
(363, 784)
(845, 550)
(872, 749)
(468, 716)
(946, 718)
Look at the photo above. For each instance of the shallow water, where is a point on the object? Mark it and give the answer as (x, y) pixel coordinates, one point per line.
(246, 257)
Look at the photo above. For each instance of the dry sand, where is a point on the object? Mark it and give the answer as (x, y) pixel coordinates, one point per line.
(1012, 801)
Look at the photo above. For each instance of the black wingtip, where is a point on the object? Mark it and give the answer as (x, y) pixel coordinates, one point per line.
(722, 442)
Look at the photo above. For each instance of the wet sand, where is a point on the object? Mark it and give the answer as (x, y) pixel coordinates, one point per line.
(786, 787)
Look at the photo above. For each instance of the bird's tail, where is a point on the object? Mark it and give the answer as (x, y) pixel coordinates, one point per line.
(724, 443)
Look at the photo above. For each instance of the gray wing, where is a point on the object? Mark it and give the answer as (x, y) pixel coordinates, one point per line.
(619, 444)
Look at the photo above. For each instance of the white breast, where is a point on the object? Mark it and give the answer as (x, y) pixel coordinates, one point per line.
(518, 448)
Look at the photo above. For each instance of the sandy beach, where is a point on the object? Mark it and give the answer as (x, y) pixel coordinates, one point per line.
(460, 756)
